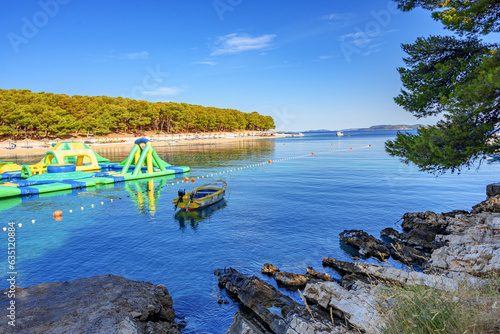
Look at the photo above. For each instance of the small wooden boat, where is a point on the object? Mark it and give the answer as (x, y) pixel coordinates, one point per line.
(201, 197)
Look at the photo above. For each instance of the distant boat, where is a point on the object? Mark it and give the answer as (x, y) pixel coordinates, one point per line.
(300, 134)
(339, 134)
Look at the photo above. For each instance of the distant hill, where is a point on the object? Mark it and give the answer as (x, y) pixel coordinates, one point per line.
(376, 128)
(390, 127)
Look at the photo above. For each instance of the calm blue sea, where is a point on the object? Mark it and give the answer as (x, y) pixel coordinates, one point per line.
(288, 213)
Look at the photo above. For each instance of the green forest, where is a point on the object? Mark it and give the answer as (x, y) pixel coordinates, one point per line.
(25, 114)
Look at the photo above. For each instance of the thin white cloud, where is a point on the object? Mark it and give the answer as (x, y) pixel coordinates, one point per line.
(357, 38)
(136, 55)
(211, 63)
(326, 57)
(339, 17)
(237, 43)
(371, 51)
(163, 91)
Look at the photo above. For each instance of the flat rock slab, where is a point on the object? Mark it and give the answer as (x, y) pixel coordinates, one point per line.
(359, 306)
(100, 304)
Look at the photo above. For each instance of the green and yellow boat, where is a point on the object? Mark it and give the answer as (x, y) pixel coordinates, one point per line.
(200, 197)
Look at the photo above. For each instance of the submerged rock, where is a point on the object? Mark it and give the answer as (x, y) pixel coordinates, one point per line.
(273, 310)
(100, 304)
(269, 269)
(367, 244)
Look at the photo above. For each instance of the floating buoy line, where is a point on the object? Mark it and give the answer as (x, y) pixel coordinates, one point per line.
(58, 214)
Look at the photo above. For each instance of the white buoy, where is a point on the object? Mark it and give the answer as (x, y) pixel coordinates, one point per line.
(33, 221)
(102, 203)
(4, 229)
(81, 208)
(19, 224)
(92, 205)
(70, 211)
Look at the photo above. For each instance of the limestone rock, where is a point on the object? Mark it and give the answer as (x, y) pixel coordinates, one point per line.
(491, 204)
(278, 313)
(359, 306)
(242, 324)
(100, 304)
(290, 280)
(472, 245)
(375, 274)
(430, 221)
(409, 255)
(269, 269)
(313, 273)
(367, 244)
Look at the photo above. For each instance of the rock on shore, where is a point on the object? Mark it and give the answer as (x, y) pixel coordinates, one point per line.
(101, 304)
(267, 310)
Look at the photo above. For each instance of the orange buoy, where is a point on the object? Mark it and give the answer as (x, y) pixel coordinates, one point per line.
(351, 148)
(57, 213)
(270, 161)
(370, 145)
(331, 144)
(313, 153)
(192, 180)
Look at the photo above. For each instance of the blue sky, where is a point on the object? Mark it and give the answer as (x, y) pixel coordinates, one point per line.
(311, 65)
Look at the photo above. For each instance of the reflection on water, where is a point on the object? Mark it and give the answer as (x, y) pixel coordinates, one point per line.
(195, 217)
(145, 194)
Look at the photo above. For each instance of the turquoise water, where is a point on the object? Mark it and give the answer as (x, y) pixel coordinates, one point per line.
(288, 213)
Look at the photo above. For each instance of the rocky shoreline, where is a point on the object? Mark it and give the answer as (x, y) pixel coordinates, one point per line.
(442, 250)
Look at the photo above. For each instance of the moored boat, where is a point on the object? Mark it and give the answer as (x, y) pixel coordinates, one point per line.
(201, 197)
(339, 134)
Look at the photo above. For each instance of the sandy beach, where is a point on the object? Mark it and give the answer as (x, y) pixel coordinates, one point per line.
(30, 147)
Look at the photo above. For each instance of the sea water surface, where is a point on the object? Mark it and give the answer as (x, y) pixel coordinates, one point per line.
(288, 213)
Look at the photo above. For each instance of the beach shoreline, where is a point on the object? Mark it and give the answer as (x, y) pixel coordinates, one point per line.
(31, 147)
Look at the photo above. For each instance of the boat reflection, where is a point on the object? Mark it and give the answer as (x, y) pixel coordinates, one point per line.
(194, 217)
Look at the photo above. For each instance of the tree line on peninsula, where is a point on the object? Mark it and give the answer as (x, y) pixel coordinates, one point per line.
(32, 115)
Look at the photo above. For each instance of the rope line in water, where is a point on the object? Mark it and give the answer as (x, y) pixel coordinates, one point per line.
(58, 213)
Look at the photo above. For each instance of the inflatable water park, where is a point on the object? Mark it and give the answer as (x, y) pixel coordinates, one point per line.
(74, 165)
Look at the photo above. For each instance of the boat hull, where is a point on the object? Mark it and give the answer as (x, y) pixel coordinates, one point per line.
(206, 195)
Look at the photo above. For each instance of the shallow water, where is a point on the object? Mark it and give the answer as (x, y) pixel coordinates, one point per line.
(288, 213)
